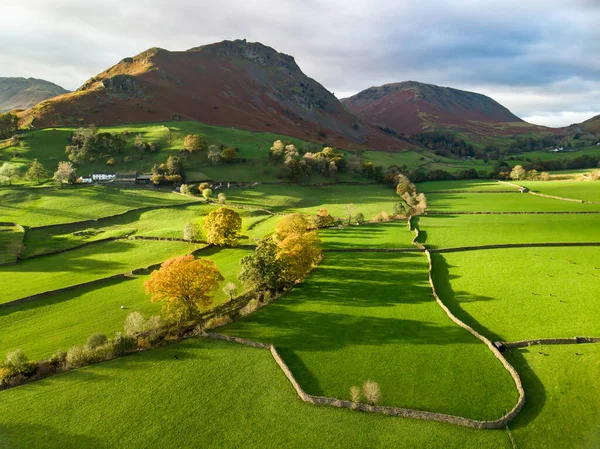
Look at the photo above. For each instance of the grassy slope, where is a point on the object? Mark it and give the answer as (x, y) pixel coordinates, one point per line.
(51, 272)
(42, 206)
(215, 395)
(368, 199)
(62, 320)
(502, 202)
(372, 316)
(371, 235)
(580, 190)
(563, 397)
(517, 294)
(11, 239)
(446, 231)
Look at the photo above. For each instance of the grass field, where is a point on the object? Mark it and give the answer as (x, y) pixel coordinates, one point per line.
(167, 222)
(11, 240)
(580, 190)
(523, 293)
(563, 397)
(502, 202)
(447, 231)
(214, 395)
(59, 321)
(41, 206)
(469, 184)
(370, 235)
(81, 265)
(372, 316)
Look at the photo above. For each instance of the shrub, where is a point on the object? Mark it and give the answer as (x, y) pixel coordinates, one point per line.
(230, 290)
(111, 162)
(185, 189)
(154, 328)
(16, 360)
(95, 340)
(191, 232)
(207, 193)
(371, 392)
(58, 358)
(360, 218)
(203, 186)
(381, 217)
(355, 393)
(134, 324)
(249, 308)
(221, 197)
(218, 322)
(78, 356)
(122, 344)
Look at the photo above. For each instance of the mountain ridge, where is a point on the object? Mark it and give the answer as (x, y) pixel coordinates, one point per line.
(22, 93)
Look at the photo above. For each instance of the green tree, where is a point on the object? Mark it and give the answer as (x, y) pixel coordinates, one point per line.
(8, 173)
(36, 171)
(229, 155)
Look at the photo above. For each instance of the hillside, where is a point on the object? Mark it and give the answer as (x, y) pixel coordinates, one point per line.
(410, 107)
(22, 93)
(231, 83)
(592, 125)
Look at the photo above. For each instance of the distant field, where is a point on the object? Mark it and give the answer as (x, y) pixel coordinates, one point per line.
(60, 321)
(11, 238)
(372, 316)
(501, 202)
(476, 185)
(563, 397)
(447, 231)
(41, 206)
(523, 293)
(255, 405)
(52, 272)
(370, 235)
(580, 190)
(368, 199)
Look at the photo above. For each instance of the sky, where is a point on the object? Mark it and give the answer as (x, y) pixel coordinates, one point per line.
(541, 59)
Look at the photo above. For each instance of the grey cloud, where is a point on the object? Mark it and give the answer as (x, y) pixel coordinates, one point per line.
(543, 52)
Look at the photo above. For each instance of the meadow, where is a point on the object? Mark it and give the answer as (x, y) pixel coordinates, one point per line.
(475, 185)
(11, 238)
(372, 316)
(86, 264)
(502, 291)
(579, 190)
(448, 231)
(59, 321)
(369, 235)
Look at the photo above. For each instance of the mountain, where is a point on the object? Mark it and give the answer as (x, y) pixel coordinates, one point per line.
(411, 107)
(230, 83)
(592, 125)
(22, 93)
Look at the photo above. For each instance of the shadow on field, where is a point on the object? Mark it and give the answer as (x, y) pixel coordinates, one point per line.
(365, 236)
(14, 436)
(441, 278)
(535, 393)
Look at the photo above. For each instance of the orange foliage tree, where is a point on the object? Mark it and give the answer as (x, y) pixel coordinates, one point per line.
(185, 285)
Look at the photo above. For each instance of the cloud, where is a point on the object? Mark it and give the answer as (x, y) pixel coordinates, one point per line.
(538, 58)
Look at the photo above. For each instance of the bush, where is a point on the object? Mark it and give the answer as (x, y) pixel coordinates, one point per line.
(371, 392)
(58, 358)
(185, 189)
(134, 324)
(123, 344)
(95, 340)
(249, 308)
(360, 218)
(221, 197)
(191, 232)
(78, 356)
(16, 360)
(217, 322)
(381, 217)
(154, 328)
(355, 393)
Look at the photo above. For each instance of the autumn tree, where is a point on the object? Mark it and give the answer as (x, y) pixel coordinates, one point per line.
(191, 232)
(222, 227)
(299, 253)
(65, 174)
(207, 193)
(185, 286)
(36, 171)
(214, 154)
(8, 172)
(193, 142)
(292, 224)
(517, 172)
(323, 219)
(230, 290)
(229, 155)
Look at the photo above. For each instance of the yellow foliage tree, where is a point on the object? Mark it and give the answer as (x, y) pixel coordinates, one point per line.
(292, 224)
(185, 286)
(193, 142)
(222, 227)
(300, 253)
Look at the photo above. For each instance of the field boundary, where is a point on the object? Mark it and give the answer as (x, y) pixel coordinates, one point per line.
(546, 341)
(513, 245)
(22, 231)
(554, 197)
(512, 213)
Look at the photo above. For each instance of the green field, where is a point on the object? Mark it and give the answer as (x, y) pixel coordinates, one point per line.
(579, 190)
(59, 321)
(81, 265)
(372, 316)
(11, 240)
(448, 231)
(370, 235)
(214, 395)
(502, 202)
(469, 184)
(42, 206)
(523, 293)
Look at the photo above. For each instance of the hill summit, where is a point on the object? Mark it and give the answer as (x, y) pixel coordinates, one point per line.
(410, 107)
(22, 93)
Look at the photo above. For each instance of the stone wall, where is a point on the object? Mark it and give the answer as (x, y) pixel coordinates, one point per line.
(546, 341)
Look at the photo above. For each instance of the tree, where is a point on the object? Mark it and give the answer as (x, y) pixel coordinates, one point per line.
(371, 392)
(191, 232)
(229, 155)
(359, 217)
(214, 154)
(36, 171)
(403, 185)
(262, 270)
(292, 224)
(65, 174)
(355, 393)
(222, 227)
(230, 290)
(8, 172)
(185, 285)
(185, 189)
(207, 193)
(193, 142)
(323, 219)
(517, 172)
(545, 176)
(221, 197)
(9, 124)
(300, 253)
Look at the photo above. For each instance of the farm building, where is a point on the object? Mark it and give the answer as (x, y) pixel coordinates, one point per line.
(127, 176)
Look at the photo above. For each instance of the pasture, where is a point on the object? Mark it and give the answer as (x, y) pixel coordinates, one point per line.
(369, 235)
(579, 190)
(523, 293)
(11, 243)
(372, 316)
